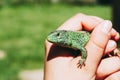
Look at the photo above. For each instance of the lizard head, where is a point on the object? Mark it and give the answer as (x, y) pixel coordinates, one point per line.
(57, 37)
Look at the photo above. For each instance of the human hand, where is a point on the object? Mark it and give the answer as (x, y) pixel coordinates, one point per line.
(61, 63)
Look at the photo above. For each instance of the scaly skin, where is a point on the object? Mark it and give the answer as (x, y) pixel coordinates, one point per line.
(71, 39)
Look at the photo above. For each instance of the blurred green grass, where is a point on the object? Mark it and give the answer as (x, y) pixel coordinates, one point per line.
(23, 31)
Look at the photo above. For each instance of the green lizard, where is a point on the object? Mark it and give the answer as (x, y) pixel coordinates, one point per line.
(76, 40)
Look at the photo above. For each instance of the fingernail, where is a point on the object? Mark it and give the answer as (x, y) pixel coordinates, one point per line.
(106, 26)
(112, 44)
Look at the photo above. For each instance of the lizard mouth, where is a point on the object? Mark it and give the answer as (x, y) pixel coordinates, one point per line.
(50, 39)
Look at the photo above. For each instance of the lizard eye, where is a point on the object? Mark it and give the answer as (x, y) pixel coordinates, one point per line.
(58, 34)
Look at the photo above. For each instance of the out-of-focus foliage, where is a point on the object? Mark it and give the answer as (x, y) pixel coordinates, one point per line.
(21, 2)
(18, 2)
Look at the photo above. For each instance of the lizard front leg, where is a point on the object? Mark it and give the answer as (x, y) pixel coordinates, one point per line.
(83, 57)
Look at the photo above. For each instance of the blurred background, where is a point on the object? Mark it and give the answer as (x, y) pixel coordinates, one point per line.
(24, 25)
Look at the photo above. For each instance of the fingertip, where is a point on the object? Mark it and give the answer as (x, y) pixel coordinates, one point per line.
(108, 66)
(110, 46)
(115, 35)
(106, 26)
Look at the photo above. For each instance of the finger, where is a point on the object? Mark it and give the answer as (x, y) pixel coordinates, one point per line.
(110, 46)
(97, 43)
(108, 66)
(115, 35)
(91, 23)
(97, 18)
(114, 76)
(80, 21)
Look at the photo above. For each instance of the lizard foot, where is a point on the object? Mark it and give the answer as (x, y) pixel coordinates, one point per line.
(81, 63)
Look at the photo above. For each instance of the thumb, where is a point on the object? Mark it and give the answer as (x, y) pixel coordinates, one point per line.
(97, 44)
